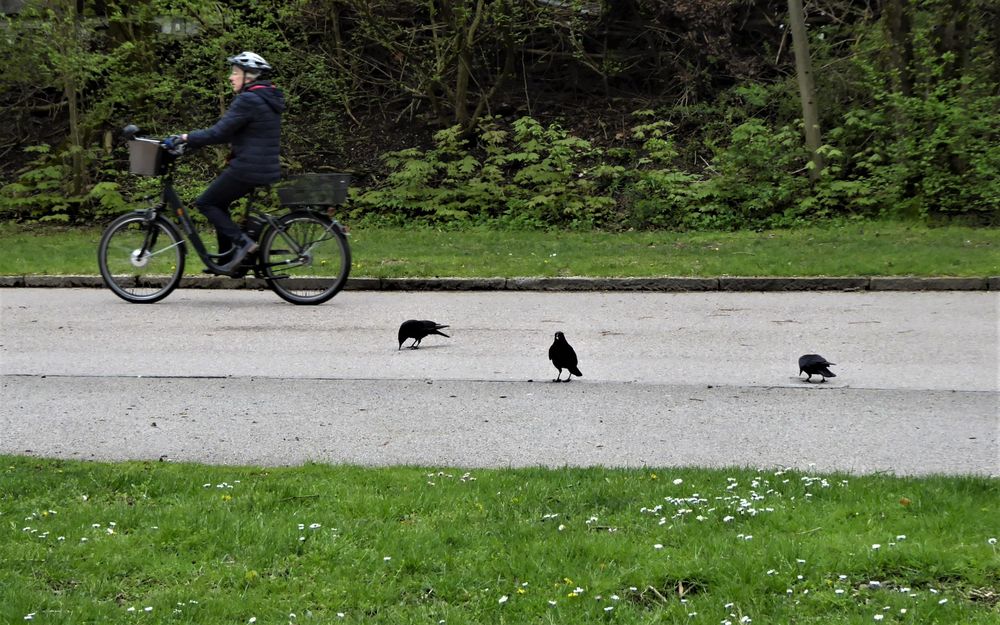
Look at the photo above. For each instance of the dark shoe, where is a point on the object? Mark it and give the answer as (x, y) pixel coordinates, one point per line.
(246, 246)
(239, 272)
(221, 260)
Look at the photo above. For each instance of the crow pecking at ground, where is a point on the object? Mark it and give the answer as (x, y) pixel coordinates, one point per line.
(814, 364)
(417, 330)
(563, 357)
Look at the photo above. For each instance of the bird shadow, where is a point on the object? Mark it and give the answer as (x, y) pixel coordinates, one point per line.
(801, 380)
(421, 348)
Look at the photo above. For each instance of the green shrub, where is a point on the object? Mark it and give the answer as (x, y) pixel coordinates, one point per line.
(41, 192)
(654, 191)
(754, 181)
(529, 176)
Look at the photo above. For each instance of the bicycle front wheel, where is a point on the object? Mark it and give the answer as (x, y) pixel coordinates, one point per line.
(305, 259)
(141, 260)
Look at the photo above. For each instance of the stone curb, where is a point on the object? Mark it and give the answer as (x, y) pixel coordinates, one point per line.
(929, 284)
(794, 284)
(662, 285)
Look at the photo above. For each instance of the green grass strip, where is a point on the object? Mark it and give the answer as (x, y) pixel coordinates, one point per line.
(852, 249)
(178, 543)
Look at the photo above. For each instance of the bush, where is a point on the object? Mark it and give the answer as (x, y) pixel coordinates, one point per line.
(40, 193)
(528, 176)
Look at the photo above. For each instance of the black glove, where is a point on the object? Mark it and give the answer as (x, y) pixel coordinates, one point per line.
(174, 144)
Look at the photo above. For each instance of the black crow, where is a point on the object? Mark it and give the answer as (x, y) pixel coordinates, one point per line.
(417, 330)
(814, 364)
(563, 357)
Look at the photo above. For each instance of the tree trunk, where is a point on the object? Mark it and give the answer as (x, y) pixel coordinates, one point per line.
(75, 140)
(338, 54)
(992, 14)
(899, 25)
(807, 88)
(463, 72)
(506, 72)
(954, 49)
(71, 89)
(952, 38)
(465, 37)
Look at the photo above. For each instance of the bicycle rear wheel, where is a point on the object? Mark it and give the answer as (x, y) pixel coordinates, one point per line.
(141, 261)
(306, 259)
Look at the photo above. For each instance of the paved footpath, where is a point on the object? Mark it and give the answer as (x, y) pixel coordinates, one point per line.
(698, 378)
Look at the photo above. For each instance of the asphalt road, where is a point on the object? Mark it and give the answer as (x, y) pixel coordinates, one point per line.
(708, 379)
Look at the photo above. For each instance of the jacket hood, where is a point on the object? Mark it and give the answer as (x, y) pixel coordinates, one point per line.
(270, 94)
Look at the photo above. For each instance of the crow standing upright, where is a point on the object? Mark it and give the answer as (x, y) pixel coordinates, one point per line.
(563, 357)
(417, 330)
(814, 364)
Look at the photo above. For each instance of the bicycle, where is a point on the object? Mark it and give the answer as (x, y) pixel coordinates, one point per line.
(303, 255)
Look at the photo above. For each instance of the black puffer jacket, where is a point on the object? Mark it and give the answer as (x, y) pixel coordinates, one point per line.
(252, 126)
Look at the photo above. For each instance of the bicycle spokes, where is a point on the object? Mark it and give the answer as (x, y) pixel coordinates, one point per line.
(141, 260)
(305, 258)
(303, 245)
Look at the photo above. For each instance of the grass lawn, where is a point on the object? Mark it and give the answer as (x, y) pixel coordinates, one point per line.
(171, 543)
(855, 249)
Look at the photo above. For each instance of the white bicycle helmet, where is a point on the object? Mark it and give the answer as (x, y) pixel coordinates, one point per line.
(250, 62)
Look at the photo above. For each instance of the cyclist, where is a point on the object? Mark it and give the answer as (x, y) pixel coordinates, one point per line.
(252, 127)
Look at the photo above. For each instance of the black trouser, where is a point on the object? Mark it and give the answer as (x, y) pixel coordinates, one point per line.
(214, 203)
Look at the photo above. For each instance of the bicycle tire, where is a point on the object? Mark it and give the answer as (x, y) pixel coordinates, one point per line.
(133, 272)
(306, 258)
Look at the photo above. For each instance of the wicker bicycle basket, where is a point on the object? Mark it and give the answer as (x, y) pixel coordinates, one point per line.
(314, 189)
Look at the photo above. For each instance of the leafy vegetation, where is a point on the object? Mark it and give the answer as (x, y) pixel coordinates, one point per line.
(162, 543)
(532, 176)
(577, 114)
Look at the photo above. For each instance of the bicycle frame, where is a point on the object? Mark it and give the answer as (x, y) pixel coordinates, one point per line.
(180, 215)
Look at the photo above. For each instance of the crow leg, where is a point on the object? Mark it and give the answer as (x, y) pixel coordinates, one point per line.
(558, 375)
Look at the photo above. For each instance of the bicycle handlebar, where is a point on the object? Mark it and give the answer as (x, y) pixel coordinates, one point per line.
(172, 144)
